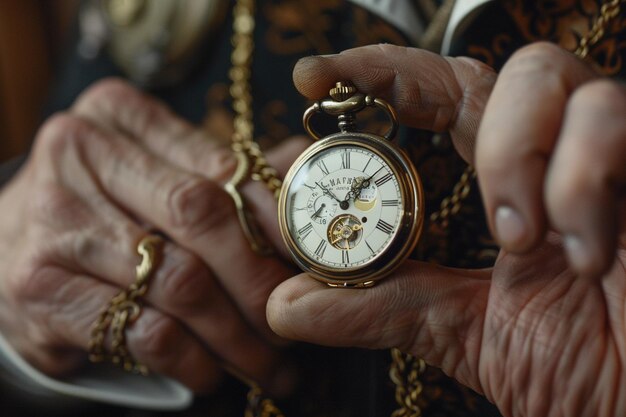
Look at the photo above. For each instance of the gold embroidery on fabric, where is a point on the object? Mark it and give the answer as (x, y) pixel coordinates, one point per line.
(298, 27)
(563, 22)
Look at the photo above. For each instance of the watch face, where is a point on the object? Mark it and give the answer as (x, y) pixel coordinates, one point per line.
(344, 207)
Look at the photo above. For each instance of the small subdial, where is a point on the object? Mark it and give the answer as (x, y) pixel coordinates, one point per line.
(345, 231)
(366, 200)
(321, 208)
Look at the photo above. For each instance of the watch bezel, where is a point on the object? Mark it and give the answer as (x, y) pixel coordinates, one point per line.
(411, 219)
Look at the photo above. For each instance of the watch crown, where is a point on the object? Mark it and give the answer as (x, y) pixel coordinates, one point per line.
(342, 91)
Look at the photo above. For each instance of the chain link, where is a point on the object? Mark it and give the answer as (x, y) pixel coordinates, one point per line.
(122, 310)
(405, 373)
(406, 370)
(248, 151)
(451, 205)
(241, 93)
(259, 406)
(608, 11)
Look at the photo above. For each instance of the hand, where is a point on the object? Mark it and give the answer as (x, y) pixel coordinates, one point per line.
(319, 210)
(328, 192)
(101, 174)
(542, 333)
(357, 186)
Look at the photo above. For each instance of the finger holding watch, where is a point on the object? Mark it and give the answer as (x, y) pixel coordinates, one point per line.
(515, 151)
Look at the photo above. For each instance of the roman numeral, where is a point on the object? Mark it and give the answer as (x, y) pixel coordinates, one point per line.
(322, 166)
(321, 248)
(385, 227)
(305, 231)
(383, 179)
(390, 203)
(345, 159)
(345, 258)
(370, 248)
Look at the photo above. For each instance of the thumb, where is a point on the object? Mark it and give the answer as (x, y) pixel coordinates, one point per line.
(433, 312)
(427, 90)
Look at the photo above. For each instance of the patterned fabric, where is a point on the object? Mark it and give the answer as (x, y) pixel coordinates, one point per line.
(507, 25)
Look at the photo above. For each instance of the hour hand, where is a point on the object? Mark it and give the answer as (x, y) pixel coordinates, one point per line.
(357, 186)
(328, 192)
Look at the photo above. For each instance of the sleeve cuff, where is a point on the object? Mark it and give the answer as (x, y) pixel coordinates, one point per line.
(100, 383)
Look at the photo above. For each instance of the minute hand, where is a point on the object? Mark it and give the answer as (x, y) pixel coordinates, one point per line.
(355, 192)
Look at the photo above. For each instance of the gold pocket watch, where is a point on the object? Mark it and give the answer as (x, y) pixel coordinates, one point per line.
(351, 206)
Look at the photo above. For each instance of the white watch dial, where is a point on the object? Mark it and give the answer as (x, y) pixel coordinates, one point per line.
(344, 206)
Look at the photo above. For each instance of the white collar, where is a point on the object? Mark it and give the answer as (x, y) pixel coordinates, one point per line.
(462, 13)
(402, 14)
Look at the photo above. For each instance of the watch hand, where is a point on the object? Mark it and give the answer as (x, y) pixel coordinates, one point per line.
(328, 192)
(319, 210)
(357, 186)
(363, 183)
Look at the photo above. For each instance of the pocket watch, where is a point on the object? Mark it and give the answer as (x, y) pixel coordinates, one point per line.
(351, 206)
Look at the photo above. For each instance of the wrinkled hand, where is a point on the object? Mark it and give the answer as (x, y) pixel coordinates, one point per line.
(543, 332)
(100, 175)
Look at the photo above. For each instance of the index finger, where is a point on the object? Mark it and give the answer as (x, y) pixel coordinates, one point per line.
(427, 90)
(115, 105)
(517, 138)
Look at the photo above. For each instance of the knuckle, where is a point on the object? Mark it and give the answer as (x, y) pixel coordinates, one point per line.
(35, 280)
(538, 52)
(60, 133)
(156, 337)
(55, 206)
(541, 63)
(600, 95)
(387, 49)
(196, 206)
(122, 103)
(221, 163)
(107, 91)
(187, 283)
(225, 164)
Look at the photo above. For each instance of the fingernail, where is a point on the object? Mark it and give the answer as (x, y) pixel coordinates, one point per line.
(577, 253)
(511, 230)
(284, 381)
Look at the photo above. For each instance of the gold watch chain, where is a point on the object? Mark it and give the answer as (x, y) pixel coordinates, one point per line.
(248, 152)
(241, 92)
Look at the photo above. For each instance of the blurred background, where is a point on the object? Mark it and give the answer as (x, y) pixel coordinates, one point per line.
(32, 33)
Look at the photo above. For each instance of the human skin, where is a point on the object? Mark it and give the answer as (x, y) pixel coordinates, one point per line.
(542, 333)
(100, 176)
